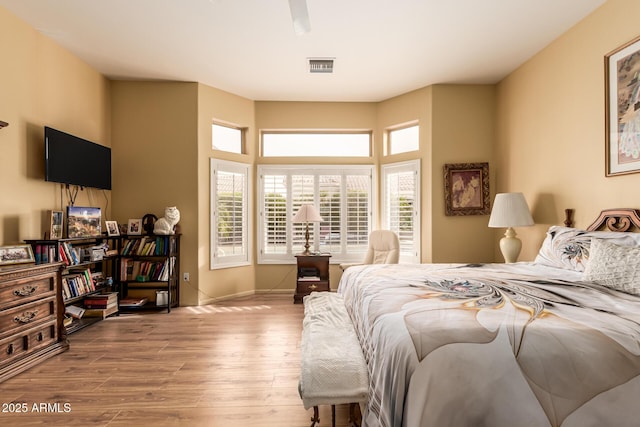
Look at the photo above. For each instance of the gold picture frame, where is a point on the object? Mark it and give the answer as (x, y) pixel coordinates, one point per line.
(622, 109)
(466, 189)
(17, 254)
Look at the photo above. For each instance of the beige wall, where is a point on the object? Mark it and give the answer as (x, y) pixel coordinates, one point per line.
(550, 135)
(463, 131)
(214, 104)
(42, 84)
(154, 160)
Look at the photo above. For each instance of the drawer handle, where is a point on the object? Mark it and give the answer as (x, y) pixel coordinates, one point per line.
(10, 349)
(313, 287)
(25, 291)
(26, 317)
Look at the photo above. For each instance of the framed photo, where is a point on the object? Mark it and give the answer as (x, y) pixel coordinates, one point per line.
(466, 189)
(112, 228)
(18, 254)
(83, 221)
(622, 106)
(56, 221)
(135, 227)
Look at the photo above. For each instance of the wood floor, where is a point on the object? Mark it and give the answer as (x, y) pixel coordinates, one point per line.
(231, 364)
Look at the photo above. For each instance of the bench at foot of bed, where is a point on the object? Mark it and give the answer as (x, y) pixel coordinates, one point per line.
(333, 369)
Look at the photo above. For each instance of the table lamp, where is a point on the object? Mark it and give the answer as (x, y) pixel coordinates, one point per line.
(307, 214)
(510, 210)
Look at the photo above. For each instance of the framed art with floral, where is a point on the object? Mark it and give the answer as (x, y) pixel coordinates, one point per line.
(622, 106)
(466, 189)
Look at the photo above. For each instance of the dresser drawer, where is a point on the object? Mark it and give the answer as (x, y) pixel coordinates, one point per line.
(21, 318)
(29, 341)
(306, 287)
(21, 291)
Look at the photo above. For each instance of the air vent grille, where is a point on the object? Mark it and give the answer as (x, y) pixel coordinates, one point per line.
(321, 65)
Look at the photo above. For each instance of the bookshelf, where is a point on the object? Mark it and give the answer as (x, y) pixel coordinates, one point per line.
(89, 267)
(149, 271)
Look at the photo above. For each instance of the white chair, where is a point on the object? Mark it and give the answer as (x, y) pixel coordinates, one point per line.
(384, 248)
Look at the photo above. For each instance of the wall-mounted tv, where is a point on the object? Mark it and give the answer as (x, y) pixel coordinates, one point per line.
(76, 161)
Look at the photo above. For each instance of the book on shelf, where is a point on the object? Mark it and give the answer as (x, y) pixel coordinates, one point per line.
(101, 312)
(133, 302)
(101, 301)
(145, 271)
(74, 311)
(78, 284)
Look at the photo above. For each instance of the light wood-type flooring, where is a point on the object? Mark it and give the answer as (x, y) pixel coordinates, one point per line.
(235, 363)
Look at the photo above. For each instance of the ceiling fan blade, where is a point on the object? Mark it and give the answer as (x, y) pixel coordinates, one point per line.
(300, 16)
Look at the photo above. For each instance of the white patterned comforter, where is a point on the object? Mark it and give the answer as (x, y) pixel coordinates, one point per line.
(494, 345)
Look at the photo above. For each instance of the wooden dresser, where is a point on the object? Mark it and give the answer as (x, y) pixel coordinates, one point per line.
(31, 317)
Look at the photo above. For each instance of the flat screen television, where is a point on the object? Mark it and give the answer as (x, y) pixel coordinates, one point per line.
(76, 161)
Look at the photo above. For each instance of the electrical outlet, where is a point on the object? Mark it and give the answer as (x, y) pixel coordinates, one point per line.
(185, 277)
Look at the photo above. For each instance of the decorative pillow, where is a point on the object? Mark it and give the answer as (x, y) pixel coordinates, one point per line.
(614, 266)
(568, 248)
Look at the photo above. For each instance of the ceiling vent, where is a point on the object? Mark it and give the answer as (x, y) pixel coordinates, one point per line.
(321, 65)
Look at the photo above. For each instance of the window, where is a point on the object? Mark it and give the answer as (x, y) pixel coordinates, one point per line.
(401, 206)
(227, 138)
(342, 194)
(230, 208)
(316, 144)
(402, 140)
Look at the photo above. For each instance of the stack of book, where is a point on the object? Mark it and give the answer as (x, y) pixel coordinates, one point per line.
(132, 302)
(101, 305)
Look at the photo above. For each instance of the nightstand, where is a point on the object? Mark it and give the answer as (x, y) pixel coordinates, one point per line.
(312, 275)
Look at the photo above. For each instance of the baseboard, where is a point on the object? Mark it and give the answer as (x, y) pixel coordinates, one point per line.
(274, 291)
(226, 297)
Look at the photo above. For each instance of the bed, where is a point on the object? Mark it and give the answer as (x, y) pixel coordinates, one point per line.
(555, 342)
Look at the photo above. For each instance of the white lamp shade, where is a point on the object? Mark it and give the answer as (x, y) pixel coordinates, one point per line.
(307, 213)
(510, 210)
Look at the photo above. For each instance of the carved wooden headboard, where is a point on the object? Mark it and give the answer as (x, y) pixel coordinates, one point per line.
(617, 220)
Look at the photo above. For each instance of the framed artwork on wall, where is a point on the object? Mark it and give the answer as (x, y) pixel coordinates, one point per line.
(18, 254)
(83, 221)
(622, 107)
(466, 189)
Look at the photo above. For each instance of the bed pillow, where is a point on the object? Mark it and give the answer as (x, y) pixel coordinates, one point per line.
(614, 266)
(568, 248)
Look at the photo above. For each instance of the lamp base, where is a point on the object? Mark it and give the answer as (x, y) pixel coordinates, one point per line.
(510, 246)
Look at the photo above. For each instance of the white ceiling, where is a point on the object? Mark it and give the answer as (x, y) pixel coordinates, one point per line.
(382, 48)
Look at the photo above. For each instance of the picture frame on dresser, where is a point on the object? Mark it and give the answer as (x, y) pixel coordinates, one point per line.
(466, 189)
(16, 254)
(622, 109)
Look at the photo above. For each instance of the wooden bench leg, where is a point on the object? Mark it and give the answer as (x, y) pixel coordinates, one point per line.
(316, 418)
(353, 416)
(333, 415)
